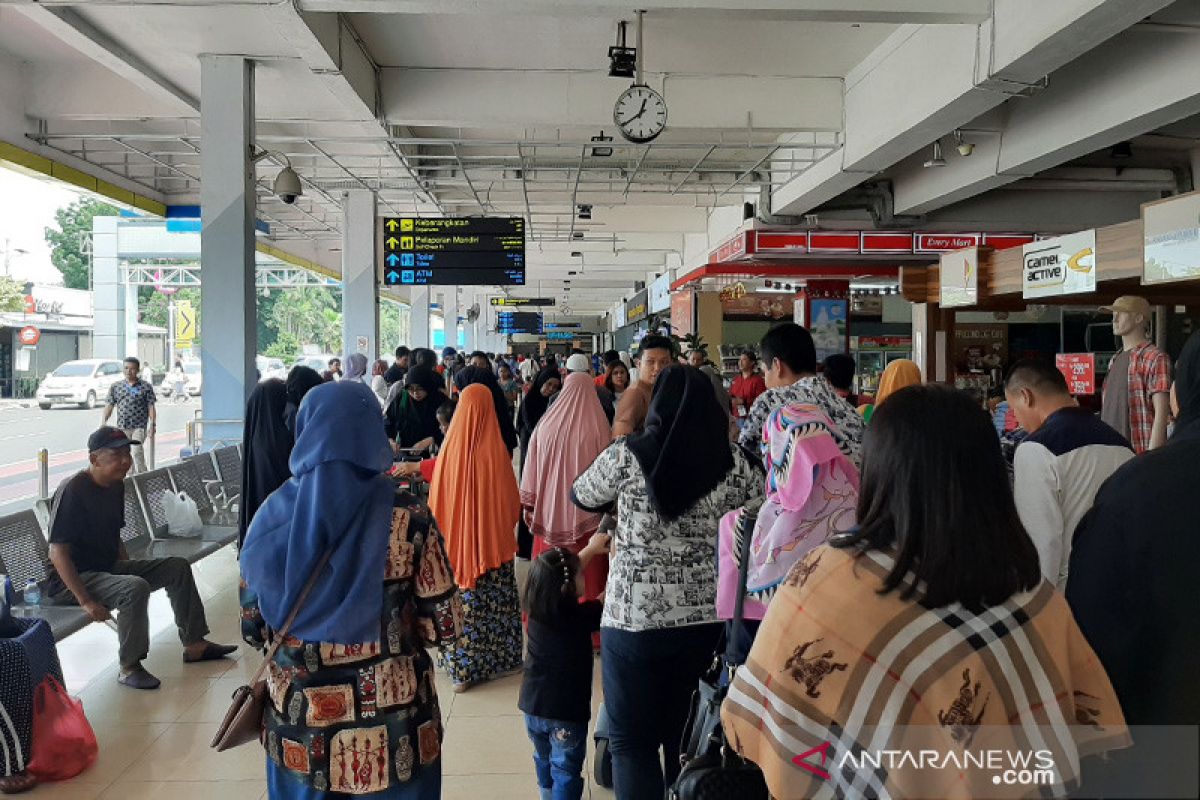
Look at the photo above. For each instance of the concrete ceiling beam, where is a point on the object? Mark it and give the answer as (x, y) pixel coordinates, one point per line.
(476, 98)
(1148, 75)
(925, 81)
(887, 11)
(71, 27)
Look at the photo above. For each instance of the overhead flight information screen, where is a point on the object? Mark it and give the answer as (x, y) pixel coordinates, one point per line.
(510, 322)
(462, 251)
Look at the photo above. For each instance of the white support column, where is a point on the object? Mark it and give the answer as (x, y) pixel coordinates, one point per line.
(471, 332)
(451, 311)
(108, 339)
(131, 317)
(419, 321)
(360, 287)
(227, 201)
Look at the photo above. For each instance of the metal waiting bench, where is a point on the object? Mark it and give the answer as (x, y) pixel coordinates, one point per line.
(24, 552)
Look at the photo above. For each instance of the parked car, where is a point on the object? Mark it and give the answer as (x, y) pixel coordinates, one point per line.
(82, 383)
(270, 368)
(319, 363)
(194, 380)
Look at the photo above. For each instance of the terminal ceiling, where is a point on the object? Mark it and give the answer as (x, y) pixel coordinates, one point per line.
(442, 109)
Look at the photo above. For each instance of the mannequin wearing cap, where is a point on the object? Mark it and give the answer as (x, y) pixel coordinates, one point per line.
(1137, 390)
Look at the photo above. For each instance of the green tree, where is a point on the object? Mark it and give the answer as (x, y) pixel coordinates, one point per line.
(286, 346)
(12, 295)
(311, 314)
(153, 305)
(75, 221)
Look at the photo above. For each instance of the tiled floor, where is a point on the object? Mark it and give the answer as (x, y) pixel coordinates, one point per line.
(154, 745)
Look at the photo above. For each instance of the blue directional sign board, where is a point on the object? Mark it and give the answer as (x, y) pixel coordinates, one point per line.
(458, 251)
(510, 322)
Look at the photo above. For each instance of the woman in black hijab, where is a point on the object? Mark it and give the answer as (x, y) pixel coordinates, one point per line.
(673, 482)
(469, 375)
(684, 449)
(411, 417)
(268, 443)
(300, 381)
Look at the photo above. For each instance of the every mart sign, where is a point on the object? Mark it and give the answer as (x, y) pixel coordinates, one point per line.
(1060, 266)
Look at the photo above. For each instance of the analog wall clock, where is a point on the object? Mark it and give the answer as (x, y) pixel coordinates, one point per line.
(640, 114)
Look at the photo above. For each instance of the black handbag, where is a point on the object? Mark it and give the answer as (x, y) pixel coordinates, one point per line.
(711, 768)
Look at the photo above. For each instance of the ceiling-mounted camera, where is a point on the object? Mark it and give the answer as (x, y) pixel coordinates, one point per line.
(287, 186)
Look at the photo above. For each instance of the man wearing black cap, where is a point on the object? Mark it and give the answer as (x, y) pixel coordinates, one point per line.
(91, 567)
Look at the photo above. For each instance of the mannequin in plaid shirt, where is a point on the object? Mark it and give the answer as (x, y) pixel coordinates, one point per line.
(1137, 390)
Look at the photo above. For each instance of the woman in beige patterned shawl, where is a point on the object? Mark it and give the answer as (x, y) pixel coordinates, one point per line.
(923, 656)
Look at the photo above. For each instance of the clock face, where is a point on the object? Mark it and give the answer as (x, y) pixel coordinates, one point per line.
(640, 113)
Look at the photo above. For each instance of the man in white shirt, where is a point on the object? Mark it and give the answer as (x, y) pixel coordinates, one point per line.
(1070, 452)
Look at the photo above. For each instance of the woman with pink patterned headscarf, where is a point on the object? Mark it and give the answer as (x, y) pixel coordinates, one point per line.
(567, 439)
(811, 494)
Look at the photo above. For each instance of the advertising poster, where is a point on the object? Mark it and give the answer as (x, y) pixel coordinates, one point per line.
(1059, 266)
(829, 326)
(1080, 371)
(982, 349)
(959, 278)
(683, 306)
(1172, 239)
(753, 307)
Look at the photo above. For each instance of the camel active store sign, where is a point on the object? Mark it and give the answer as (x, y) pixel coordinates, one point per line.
(1059, 266)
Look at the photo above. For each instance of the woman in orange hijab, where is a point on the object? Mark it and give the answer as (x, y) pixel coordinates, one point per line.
(475, 499)
(899, 374)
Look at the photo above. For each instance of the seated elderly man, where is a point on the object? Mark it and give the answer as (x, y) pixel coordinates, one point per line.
(93, 569)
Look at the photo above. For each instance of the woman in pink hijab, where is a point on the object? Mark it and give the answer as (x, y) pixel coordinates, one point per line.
(567, 439)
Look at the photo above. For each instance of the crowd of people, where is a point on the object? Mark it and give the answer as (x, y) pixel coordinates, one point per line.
(907, 587)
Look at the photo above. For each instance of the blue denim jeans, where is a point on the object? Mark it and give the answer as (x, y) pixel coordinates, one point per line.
(282, 785)
(559, 752)
(649, 678)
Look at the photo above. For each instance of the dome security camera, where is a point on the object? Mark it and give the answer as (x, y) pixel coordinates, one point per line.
(287, 185)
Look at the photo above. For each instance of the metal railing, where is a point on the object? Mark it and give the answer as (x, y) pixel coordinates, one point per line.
(195, 433)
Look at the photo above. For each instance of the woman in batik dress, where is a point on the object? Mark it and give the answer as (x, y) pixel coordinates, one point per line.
(353, 708)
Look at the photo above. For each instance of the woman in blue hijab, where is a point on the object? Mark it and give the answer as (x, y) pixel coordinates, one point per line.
(352, 684)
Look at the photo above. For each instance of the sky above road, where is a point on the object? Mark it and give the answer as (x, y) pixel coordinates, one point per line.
(27, 207)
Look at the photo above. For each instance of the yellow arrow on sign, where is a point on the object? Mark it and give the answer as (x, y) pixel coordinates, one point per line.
(391, 242)
(185, 322)
(391, 225)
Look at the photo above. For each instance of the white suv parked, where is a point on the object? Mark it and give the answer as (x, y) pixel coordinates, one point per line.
(83, 383)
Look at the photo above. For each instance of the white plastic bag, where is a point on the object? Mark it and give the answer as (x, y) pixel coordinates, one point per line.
(182, 515)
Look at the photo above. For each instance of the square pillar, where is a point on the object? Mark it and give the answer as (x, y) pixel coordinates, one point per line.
(229, 336)
(451, 311)
(360, 287)
(933, 334)
(471, 332)
(131, 317)
(418, 303)
(108, 298)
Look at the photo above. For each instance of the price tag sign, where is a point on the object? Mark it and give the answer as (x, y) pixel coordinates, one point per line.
(1080, 371)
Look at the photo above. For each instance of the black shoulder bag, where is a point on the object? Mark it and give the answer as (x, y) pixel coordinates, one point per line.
(711, 768)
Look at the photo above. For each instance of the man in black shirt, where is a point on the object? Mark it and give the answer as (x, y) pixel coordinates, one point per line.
(397, 370)
(91, 567)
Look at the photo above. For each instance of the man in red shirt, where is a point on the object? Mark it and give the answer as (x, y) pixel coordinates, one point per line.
(608, 358)
(747, 386)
